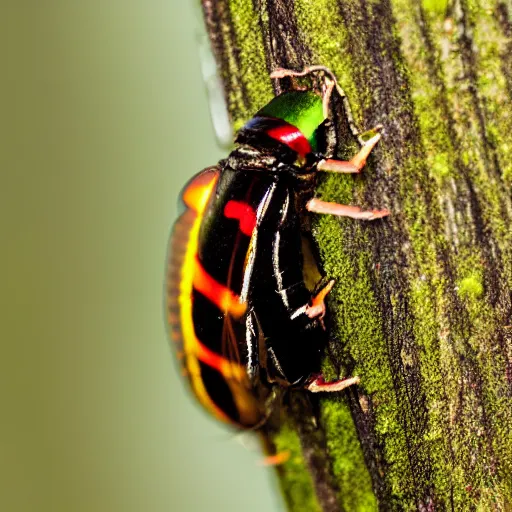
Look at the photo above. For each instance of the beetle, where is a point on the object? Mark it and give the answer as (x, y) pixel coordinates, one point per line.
(247, 322)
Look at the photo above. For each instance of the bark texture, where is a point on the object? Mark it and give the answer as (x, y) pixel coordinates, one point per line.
(422, 307)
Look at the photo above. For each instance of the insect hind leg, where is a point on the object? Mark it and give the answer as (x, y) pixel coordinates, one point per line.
(317, 384)
(354, 212)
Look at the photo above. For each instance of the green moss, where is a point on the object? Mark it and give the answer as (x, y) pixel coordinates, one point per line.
(495, 498)
(435, 6)
(425, 295)
(346, 454)
(251, 53)
(440, 166)
(296, 482)
(507, 176)
(359, 332)
(442, 340)
(471, 287)
(326, 35)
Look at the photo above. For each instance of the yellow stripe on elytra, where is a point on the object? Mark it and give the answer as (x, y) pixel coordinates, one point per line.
(193, 348)
(253, 70)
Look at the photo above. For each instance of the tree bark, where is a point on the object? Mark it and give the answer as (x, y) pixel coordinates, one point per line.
(422, 306)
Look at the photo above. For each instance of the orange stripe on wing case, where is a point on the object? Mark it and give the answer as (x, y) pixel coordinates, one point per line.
(220, 295)
(227, 369)
(199, 190)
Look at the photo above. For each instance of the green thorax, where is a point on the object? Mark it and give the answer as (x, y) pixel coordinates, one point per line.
(302, 109)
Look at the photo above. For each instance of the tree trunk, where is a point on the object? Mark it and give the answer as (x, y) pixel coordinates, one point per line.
(422, 306)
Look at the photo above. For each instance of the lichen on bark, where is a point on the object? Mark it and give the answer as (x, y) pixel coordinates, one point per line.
(422, 307)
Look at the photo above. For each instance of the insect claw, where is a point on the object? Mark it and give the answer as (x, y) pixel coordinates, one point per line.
(379, 214)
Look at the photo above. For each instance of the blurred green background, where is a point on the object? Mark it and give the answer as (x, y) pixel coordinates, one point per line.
(104, 117)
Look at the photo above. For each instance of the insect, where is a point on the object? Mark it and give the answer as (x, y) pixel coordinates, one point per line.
(241, 308)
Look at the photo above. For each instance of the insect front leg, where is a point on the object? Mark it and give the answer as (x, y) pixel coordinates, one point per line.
(356, 163)
(353, 166)
(317, 384)
(315, 308)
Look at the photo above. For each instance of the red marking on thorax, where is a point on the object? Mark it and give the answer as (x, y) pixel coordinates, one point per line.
(243, 213)
(292, 137)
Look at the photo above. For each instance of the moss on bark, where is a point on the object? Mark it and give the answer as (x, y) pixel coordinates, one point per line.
(422, 307)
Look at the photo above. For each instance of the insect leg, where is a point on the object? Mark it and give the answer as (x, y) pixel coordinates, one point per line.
(354, 212)
(355, 164)
(316, 306)
(319, 385)
(277, 459)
